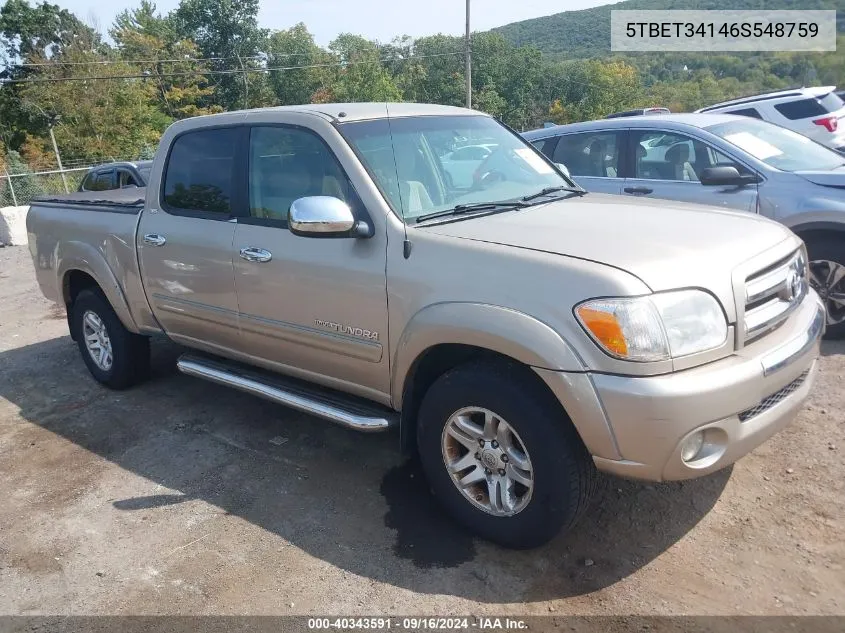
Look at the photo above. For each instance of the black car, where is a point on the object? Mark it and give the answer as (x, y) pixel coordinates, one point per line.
(117, 176)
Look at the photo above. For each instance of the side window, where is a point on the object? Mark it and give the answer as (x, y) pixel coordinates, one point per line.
(200, 172)
(87, 182)
(541, 144)
(589, 154)
(100, 181)
(667, 156)
(751, 112)
(800, 109)
(126, 179)
(290, 163)
(715, 158)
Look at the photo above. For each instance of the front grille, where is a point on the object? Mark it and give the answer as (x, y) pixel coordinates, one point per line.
(773, 293)
(778, 396)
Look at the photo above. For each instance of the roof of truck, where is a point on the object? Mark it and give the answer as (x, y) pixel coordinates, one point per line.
(344, 112)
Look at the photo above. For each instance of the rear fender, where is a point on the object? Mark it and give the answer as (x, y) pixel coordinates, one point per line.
(83, 257)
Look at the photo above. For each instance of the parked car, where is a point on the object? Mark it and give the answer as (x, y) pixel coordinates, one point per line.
(116, 176)
(521, 334)
(726, 161)
(813, 112)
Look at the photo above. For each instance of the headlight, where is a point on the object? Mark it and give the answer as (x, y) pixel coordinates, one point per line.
(656, 327)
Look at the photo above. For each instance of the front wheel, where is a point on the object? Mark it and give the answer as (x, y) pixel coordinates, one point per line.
(827, 277)
(501, 455)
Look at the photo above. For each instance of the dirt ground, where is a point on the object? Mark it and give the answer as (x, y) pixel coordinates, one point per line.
(180, 497)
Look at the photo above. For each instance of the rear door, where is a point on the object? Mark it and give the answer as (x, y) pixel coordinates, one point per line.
(312, 307)
(667, 164)
(185, 245)
(592, 158)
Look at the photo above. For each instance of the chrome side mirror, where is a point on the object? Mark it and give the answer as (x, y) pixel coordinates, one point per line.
(324, 216)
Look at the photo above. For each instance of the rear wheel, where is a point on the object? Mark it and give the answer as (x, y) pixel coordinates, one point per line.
(827, 277)
(501, 456)
(115, 356)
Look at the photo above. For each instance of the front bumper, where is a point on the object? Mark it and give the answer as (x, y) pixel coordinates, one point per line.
(737, 402)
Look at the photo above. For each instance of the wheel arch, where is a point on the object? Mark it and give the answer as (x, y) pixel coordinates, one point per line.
(81, 266)
(443, 336)
(809, 230)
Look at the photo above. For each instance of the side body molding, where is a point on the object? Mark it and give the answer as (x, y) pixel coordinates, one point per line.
(491, 327)
(80, 256)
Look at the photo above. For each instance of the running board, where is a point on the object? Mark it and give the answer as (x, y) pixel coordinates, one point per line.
(347, 411)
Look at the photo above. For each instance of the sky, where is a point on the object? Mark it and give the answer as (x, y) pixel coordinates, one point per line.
(374, 19)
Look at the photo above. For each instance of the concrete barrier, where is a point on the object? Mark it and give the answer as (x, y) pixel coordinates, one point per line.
(13, 226)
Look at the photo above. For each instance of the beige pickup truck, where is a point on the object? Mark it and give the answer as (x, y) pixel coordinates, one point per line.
(423, 267)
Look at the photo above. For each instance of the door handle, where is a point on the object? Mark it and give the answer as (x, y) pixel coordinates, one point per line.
(638, 190)
(153, 239)
(253, 254)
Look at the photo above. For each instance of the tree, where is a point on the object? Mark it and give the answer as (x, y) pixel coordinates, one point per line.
(150, 43)
(97, 119)
(227, 30)
(292, 48)
(361, 75)
(43, 30)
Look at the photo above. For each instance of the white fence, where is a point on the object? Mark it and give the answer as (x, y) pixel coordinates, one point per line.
(20, 189)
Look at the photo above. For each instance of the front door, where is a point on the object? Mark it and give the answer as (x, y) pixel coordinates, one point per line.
(312, 307)
(185, 247)
(667, 165)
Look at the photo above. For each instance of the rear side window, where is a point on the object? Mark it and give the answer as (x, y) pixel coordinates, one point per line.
(542, 144)
(126, 179)
(200, 171)
(806, 108)
(100, 181)
(593, 154)
(752, 112)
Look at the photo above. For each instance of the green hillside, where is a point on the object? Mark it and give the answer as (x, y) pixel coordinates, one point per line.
(586, 33)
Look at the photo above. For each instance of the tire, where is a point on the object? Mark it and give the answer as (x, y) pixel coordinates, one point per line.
(564, 476)
(130, 353)
(828, 249)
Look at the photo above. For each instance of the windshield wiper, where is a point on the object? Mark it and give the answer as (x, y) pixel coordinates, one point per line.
(462, 209)
(550, 190)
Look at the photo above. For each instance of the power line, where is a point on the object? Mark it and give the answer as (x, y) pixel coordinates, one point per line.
(105, 62)
(231, 71)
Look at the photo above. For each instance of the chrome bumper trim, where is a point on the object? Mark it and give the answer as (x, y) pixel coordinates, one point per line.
(785, 354)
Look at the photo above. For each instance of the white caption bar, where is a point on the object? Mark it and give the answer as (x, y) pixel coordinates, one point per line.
(777, 30)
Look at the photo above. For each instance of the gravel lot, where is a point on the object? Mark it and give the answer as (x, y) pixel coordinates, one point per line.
(180, 497)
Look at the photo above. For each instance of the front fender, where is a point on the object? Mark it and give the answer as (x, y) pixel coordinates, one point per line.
(508, 332)
(80, 256)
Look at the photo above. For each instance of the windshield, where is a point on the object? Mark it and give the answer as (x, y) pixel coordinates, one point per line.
(435, 163)
(778, 147)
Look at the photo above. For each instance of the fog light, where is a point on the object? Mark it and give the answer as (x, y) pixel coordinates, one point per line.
(692, 445)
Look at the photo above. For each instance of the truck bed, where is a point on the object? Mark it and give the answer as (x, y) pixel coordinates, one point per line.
(93, 232)
(129, 200)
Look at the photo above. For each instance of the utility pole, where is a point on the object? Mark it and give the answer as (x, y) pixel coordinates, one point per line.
(56, 150)
(51, 118)
(468, 70)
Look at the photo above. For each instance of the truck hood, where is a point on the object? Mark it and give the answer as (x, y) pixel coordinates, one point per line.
(666, 244)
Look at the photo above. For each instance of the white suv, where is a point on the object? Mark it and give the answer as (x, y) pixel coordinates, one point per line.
(813, 112)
